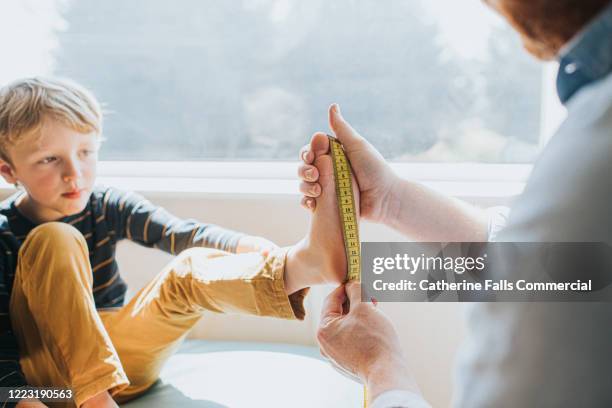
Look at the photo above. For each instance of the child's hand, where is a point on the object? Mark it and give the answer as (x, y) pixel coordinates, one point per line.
(252, 243)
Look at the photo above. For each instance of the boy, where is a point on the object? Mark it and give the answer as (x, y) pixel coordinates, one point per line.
(63, 321)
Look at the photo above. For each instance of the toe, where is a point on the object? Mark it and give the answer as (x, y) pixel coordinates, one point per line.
(310, 189)
(324, 165)
(308, 172)
(319, 144)
(308, 203)
(306, 154)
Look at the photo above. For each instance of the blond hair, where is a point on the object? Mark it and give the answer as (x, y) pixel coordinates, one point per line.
(25, 103)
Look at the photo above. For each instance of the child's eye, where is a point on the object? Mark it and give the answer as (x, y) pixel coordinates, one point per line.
(87, 152)
(48, 160)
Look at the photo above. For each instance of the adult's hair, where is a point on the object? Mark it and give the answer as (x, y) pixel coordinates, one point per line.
(548, 24)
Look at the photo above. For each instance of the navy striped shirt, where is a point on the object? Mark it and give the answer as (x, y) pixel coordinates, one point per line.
(110, 216)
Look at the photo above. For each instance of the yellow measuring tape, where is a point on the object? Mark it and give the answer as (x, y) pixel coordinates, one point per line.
(346, 206)
(348, 216)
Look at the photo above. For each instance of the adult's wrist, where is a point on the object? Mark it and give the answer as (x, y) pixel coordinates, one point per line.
(389, 374)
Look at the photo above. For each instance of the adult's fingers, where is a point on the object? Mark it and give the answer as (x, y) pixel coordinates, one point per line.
(332, 306)
(353, 291)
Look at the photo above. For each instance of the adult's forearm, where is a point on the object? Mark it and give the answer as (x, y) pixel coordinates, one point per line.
(424, 214)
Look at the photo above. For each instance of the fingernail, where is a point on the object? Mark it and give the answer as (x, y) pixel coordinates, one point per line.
(314, 190)
(336, 109)
(309, 204)
(309, 173)
(305, 155)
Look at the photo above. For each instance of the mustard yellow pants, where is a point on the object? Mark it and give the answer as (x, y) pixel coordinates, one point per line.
(65, 342)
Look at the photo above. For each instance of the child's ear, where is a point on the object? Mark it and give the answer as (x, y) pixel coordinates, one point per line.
(7, 172)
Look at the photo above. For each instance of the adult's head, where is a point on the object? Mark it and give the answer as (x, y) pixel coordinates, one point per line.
(546, 25)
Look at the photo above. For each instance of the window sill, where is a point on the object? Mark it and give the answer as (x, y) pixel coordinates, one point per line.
(469, 180)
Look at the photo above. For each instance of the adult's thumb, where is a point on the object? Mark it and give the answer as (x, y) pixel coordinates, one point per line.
(353, 291)
(342, 129)
(332, 306)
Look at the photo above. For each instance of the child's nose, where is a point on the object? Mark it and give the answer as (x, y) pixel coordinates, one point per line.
(71, 172)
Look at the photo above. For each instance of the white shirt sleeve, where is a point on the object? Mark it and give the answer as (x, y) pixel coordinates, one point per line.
(399, 399)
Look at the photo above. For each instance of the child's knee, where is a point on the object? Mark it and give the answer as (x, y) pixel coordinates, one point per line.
(54, 234)
(52, 238)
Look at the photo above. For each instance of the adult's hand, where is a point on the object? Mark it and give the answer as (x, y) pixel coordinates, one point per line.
(364, 342)
(373, 174)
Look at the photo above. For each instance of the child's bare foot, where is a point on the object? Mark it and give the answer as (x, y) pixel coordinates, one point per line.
(319, 258)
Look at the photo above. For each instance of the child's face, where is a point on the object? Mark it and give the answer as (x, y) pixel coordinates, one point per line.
(57, 170)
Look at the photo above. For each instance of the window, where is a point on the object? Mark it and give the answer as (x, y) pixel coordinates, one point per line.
(425, 81)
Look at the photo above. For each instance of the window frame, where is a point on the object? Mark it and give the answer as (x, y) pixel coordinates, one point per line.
(265, 177)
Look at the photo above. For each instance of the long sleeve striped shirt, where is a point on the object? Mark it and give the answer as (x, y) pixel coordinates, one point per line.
(110, 216)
